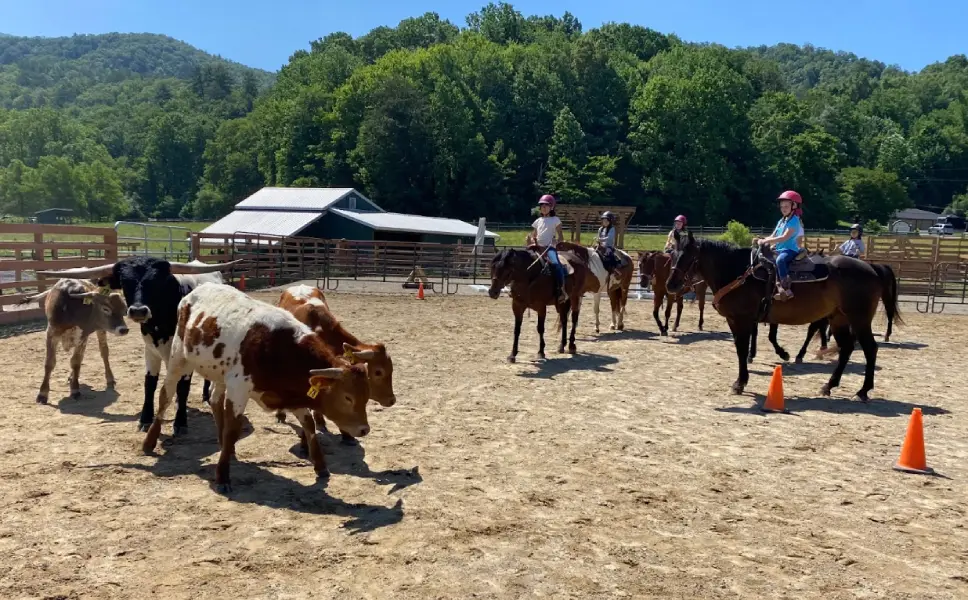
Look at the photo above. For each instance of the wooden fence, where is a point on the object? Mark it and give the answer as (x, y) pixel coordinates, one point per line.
(26, 248)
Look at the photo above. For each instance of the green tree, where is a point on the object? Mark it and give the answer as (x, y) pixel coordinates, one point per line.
(871, 194)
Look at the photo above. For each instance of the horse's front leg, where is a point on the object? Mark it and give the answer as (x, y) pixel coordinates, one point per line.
(742, 332)
(542, 313)
(752, 355)
(575, 311)
(563, 310)
(679, 299)
(518, 318)
(656, 305)
(598, 299)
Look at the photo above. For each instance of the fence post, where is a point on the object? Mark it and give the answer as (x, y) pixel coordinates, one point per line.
(39, 240)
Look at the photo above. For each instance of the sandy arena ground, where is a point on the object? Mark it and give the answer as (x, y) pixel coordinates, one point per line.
(628, 471)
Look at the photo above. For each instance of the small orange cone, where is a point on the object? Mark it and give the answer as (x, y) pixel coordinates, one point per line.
(912, 458)
(420, 292)
(242, 282)
(774, 395)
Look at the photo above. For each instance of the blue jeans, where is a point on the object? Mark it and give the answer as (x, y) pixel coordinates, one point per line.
(552, 255)
(783, 260)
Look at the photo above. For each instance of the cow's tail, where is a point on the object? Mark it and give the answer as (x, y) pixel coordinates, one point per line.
(38, 298)
(890, 297)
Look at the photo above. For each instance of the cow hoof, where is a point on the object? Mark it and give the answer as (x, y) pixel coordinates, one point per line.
(41, 399)
(280, 417)
(179, 430)
(224, 488)
(348, 440)
(143, 427)
(511, 359)
(825, 390)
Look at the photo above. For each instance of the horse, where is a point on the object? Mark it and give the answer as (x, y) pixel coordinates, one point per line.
(533, 286)
(843, 289)
(595, 281)
(655, 266)
(822, 326)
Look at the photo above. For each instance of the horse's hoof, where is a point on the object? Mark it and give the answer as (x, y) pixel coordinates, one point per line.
(799, 359)
(322, 473)
(511, 358)
(621, 327)
(862, 397)
(75, 394)
(41, 399)
(749, 360)
(785, 356)
(111, 384)
(539, 356)
(179, 430)
(738, 388)
(572, 349)
(887, 338)
(561, 350)
(224, 488)
(143, 427)
(825, 390)
(675, 329)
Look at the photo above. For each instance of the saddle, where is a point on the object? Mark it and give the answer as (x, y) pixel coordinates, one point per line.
(803, 269)
(546, 264)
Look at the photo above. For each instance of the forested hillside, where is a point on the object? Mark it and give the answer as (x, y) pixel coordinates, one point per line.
(477, 120)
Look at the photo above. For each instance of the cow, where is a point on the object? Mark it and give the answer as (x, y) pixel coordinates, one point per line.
(309, 305)
(152, 288)
(251, 349)
(75, 309)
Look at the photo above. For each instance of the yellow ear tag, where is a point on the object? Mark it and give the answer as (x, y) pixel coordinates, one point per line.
(348, 355)
(104, 290)
(313, 391)
(88, 301)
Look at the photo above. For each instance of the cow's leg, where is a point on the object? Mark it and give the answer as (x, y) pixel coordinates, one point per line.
(280, 416)
(319, 418)
(102, 345)
(206, 392)
(310, 442)
(542, 315)
(152, 369)
(218, 405)
(518, 310)
(177, 367)
(77, 358)
(236, 397)
(49, 363)
(780, 351)
(180, 426)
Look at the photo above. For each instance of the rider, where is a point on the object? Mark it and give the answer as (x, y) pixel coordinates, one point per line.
(784, 239)
(680, 226)
(854, 246)
(546, 233)
(606, 243)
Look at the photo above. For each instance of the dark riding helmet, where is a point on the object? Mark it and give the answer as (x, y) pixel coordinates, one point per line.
(608, 215)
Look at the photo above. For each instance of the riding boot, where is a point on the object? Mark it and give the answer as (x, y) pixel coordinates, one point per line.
(783, 291)
(560, 292)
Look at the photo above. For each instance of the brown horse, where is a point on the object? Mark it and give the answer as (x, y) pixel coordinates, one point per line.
(656, 266)
(845, 290)
(533, 286)
(618, 291)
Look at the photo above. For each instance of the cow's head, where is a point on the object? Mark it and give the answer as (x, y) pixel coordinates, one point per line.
(148, 283)
(107, 310)
(379, 369)
(341, 394)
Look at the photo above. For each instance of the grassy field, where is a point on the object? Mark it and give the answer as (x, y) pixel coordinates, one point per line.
(156, 232)
(633, 241)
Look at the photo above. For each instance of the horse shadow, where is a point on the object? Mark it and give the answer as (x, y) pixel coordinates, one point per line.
(877, 407)
(902, 345)
(817, 368)
(691, 337)
(93, 403)
(582, 361)
(626, 334)
(255, 484)
(351, 460)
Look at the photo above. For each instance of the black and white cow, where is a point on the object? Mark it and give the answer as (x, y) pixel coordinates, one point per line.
(152, 288)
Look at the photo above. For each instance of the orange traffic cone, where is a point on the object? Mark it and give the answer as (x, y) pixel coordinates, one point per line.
(420, 292)
(242, 282)
(774, 395)
(912, 458)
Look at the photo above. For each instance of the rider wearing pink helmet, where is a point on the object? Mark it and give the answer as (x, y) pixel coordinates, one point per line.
(546, 232)
(680, 226)
(786, 240)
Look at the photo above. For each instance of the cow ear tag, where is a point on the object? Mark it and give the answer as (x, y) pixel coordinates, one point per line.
(104, 290)
(88, 301)
(313, 391)
(348, 355)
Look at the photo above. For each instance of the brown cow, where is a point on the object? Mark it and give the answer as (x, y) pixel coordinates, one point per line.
(251, 349)
(76, 308)
(308, 304)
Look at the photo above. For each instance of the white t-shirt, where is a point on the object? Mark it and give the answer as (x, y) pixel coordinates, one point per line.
(547, 228)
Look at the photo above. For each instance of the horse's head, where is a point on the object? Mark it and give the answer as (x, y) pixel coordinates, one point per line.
(685, 259)
(646, 268)
(502, 271)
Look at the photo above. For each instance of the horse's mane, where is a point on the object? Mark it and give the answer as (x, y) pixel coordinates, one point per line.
(732, 260)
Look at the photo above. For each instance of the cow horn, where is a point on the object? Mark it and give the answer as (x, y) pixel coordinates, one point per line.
(81, 272)
(197, 268)
(85, 294)
(365, 354)
(331, 373)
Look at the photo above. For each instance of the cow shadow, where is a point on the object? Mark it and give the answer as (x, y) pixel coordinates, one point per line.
(564, 363)
(345, 459)
(877, 407)
(253, 483)
(93, 404)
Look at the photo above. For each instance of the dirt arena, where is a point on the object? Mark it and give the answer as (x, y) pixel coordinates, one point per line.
(628, 471)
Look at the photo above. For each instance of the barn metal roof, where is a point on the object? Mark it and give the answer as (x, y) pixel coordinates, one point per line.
(314, 199)
(266, 222)
(387, 221)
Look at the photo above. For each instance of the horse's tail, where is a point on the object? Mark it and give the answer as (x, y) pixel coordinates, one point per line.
(889, 296)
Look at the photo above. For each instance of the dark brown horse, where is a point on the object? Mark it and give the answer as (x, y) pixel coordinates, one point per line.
(533, 286)
(656, 266)
(842, 289)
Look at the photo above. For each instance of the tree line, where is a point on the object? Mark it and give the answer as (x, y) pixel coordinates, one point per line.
(436, 119)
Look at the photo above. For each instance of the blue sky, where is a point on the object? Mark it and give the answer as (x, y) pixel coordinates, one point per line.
(264, 33)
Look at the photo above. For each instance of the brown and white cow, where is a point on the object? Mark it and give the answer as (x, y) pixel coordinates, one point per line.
(76, 308)
(308, 304)
(251, 349)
